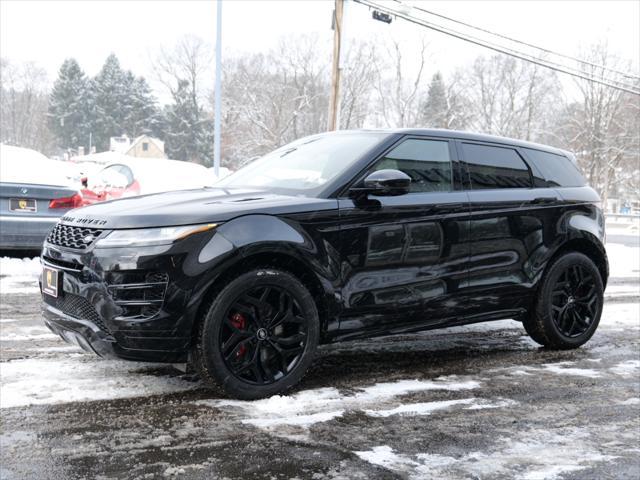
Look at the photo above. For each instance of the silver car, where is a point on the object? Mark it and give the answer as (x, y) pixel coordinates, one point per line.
(34, 193)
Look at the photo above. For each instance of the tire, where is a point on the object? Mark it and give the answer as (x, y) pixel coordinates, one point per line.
(259, 335)
(568, 304)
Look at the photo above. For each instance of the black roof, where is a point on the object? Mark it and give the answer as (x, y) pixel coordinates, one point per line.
(478, 137)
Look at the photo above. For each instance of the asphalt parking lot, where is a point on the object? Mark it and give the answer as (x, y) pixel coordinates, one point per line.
(481, 401)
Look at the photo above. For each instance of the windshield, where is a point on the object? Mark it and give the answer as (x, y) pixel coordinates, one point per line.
(307, 164)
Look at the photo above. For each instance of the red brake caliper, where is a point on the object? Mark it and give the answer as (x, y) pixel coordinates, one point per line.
(238, 321)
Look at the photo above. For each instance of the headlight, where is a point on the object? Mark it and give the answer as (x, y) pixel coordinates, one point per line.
(141, 237)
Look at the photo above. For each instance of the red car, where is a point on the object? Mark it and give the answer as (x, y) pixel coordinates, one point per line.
(135, 176)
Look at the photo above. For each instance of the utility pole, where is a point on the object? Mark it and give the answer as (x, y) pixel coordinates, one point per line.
(334, 100)
(218, 93)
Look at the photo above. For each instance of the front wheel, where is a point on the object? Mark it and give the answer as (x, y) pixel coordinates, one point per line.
(568, 305)
(259, 335)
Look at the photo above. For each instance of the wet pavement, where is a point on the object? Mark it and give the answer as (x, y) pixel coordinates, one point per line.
(481, 401)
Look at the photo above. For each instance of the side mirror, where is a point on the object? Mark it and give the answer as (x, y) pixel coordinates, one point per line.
(386, 183)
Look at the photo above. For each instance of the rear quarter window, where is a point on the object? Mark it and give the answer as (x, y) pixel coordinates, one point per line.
(557, 170)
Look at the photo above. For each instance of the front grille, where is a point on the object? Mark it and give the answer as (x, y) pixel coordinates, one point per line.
(73, 237)
(77, 307)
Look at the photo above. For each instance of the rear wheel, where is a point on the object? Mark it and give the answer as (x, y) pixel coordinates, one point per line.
(259, 335)
(568, 305)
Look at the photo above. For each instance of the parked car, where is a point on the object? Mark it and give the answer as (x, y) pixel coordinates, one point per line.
(129, 177)
(34, 193)
(333, 237)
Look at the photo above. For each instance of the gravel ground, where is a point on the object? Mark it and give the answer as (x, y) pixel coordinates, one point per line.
(481, 401)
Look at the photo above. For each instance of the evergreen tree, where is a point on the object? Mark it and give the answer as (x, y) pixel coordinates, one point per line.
(111, 88)
(143, 116)
(436, 107)
(189, 134)
(69, 106)
(124, 104)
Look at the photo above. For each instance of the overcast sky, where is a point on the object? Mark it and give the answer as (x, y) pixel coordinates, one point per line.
(47, 32)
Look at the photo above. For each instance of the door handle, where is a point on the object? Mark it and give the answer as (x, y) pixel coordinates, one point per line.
(542, 200)
(449, 205)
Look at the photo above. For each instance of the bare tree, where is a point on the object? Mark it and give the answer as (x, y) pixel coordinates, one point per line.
(274, 98)
(511, 98)
(23, 106)
(188, 61)
(602, 127)
(399, 93)
(358, 79)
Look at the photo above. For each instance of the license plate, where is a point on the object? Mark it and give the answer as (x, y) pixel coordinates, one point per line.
(50, 281)
(22, 205)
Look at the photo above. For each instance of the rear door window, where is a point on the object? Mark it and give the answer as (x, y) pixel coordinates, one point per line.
(492, 167)
(558, 170)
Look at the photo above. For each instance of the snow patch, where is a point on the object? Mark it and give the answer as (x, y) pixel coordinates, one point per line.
(80, 377)
(320, 405)
(561, 369)
(297, 420)
(26, 333)
(624, 261)
(536, 454)
(13, 337)
(425, 408)
(626, 369)
(19, 275)
(616, 316)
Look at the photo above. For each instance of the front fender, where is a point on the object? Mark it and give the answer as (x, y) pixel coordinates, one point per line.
(270, 239)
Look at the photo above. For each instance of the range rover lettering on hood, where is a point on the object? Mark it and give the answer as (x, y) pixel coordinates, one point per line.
(90, 222)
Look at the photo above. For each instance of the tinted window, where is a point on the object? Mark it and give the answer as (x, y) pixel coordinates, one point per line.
(557, 170)
(427, 162)
(495, 167)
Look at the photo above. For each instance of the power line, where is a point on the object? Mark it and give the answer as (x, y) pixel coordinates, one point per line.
(515, 53)
(504, 50)
(602, 67)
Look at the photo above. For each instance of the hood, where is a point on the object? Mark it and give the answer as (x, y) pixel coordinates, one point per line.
(187, 207)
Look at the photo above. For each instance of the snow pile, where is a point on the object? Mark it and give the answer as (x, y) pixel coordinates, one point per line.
(624, 261)
(81, 377)
(19, 275)
(321, 405)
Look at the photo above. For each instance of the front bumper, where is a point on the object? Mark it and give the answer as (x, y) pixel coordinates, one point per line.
(91, 338)
(130, 303)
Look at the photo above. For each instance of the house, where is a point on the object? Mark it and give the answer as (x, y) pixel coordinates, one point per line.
(143, 146)
(146, 147)
(119, 144)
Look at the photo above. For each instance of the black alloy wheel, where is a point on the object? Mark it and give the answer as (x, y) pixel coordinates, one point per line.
(263, 335)
(568, 304)
(574, 301)
(258, 336)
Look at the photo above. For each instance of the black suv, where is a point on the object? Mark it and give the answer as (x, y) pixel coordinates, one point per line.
(333, 237)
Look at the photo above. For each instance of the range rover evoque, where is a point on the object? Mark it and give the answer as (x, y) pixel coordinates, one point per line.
(333, 237)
